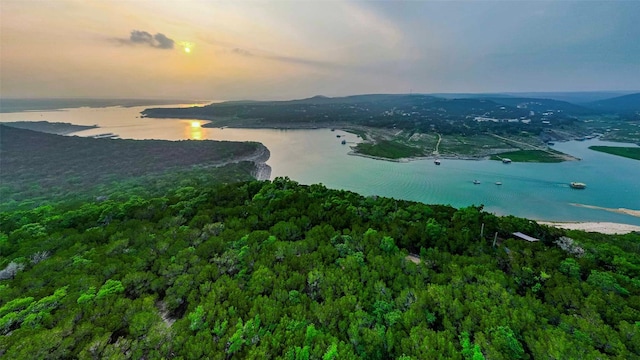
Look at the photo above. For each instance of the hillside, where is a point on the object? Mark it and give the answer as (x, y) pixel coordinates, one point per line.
(283, 271)
(35, 164)
(626, 103)
(544, 105)
(384, 111)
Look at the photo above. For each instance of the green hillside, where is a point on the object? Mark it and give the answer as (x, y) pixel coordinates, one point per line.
(628, 152)
(38, 167)
(276, 270)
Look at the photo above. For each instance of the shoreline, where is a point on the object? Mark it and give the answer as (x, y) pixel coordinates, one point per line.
(603, 227)
(418, 158)
(625, 211)
(356, 130)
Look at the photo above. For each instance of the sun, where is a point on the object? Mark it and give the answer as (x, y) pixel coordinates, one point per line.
(187, 47)
(195, 124)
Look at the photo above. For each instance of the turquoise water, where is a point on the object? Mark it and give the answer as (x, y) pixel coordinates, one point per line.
(536, 191)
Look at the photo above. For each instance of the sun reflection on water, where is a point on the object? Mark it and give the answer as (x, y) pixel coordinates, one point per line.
(194, 130)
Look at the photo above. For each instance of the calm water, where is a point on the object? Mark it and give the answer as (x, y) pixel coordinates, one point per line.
(537, 191)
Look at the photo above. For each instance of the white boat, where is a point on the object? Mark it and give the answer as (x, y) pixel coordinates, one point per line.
(498, 183)
(436, 161)
(476, 182)
(578, 185)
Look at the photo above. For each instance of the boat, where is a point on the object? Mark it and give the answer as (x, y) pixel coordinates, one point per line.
(506, 160)
(344, 142)
(476, 182)
(498, 183)
(337, 136)
(105, 136)
(577, 185)
(436, 161)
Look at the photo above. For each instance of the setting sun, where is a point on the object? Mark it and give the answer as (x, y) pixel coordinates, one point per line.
(194, 124)
(186, 46)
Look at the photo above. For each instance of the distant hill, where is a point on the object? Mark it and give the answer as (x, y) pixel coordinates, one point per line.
(626, 103)
(575, 97)
(469, 95)
(412, 112)
(378, 110)
(352, 99)
(537, 104)
(19, 105)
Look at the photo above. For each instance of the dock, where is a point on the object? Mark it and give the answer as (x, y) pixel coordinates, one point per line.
(525, 237)
(105, 136)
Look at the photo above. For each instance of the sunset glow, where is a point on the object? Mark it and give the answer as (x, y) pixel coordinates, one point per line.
(282, 50)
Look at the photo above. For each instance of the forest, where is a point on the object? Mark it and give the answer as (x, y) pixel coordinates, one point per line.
(38, 167)
(190, 267)
(422, 113)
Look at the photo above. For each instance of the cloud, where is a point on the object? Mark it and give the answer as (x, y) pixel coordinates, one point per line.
(163, 42)
(158, 41)
(242, 52)
(288, 59)
(143, 37)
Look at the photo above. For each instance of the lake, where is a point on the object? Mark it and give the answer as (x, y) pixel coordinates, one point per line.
(535, 191)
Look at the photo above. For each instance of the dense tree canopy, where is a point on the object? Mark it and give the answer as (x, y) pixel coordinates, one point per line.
(285, 271)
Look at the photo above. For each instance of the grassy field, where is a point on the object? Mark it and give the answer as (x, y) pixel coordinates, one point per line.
(628, 152)
(388, 149)
(359, 132)
(528, 156)
(476, 145)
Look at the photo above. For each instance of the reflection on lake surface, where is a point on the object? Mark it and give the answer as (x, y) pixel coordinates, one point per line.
(194, 131)
(536, 191)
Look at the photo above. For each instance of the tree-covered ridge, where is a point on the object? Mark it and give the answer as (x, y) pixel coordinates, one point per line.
(36, 164)
(279, 270)
(415, 112)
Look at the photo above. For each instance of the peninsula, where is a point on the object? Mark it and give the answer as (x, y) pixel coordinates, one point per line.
(409, 126)
(37, 165)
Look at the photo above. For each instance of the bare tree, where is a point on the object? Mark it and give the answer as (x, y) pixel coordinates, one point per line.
(39, 256)
(11, 270)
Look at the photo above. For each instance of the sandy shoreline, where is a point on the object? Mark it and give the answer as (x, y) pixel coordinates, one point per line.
(600, 227)
(615, 210)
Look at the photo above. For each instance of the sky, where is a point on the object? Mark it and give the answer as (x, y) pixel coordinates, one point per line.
(284, 49)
